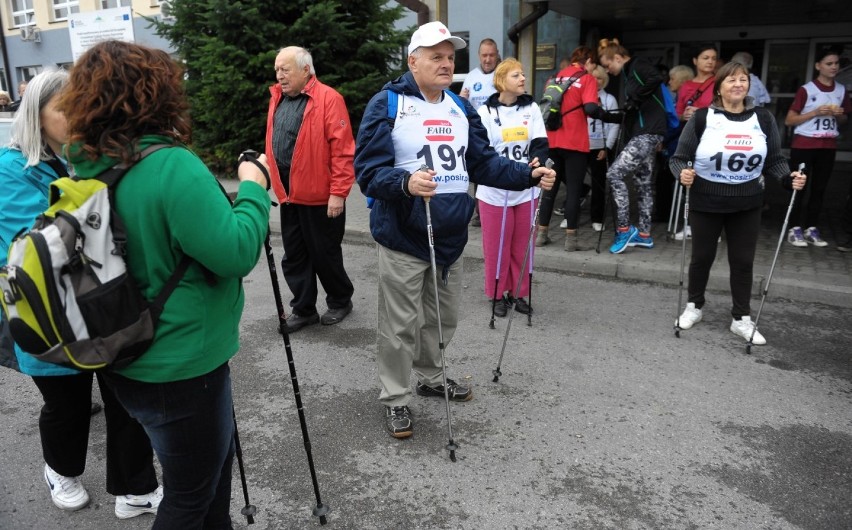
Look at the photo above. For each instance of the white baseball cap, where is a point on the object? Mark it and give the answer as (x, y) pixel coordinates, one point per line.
(432, 33)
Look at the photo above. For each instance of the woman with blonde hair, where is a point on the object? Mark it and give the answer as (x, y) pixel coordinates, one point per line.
(679, 75)
(645, 126)
(602, 139)
(516, 130)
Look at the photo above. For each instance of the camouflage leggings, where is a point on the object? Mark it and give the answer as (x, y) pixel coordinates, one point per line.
(637, 159)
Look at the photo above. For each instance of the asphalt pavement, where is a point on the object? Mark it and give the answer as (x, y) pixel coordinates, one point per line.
(601, 419)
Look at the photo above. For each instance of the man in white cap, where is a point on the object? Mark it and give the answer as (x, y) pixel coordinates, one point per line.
(414, 121)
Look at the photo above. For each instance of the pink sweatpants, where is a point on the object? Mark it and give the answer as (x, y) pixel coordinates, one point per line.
(516, 236)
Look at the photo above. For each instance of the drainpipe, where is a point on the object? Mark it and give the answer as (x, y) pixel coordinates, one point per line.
(541, 9)
(418, 7)
(7, 66)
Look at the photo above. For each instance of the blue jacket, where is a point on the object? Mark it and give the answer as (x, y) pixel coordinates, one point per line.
(397, 221)
(24, 197)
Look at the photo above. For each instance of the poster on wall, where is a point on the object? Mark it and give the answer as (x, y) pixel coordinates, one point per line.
(89, 28)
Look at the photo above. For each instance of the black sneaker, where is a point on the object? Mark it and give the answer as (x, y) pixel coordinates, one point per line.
(398, 421)
(336, 315)
(500, 307)
(296, 322)
(455, 391)
(845, 246)
(521, 306)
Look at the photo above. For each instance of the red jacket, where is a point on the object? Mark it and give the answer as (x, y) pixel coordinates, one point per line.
(325, 148)
(574, 133)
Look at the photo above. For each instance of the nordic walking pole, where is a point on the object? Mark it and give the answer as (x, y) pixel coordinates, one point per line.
(772, 267)
(321, 509)
(497, 373)
(607, 188)
(531, 250)
(499, 259)
(248, 510)
(675, 209)
(682, 257)
(451, 446)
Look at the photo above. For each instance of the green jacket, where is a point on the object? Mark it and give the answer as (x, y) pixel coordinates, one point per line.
(172, 206)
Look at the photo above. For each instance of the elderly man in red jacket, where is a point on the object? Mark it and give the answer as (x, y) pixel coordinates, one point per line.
(310, 148)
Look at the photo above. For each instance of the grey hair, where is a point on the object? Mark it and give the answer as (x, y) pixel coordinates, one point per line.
(302, 57)
(26, 127)
(744, 58)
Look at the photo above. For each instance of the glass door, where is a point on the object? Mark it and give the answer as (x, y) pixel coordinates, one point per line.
(785, 69)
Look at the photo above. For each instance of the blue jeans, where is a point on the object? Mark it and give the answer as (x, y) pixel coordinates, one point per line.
(191, 427)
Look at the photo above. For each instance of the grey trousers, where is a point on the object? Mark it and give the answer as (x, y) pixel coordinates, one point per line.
(407, 335)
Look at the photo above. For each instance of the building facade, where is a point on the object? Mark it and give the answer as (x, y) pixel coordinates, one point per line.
(36, 33)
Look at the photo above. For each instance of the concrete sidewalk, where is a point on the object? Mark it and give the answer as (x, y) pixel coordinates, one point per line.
(806, 274)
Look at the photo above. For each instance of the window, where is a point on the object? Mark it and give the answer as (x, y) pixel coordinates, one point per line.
(109, 4)
(25, 73)
(22, 12)
(61, 10)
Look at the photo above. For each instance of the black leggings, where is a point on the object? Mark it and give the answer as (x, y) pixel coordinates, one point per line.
(570, 168)
(819, 163)
(64, 427)
(741, 231)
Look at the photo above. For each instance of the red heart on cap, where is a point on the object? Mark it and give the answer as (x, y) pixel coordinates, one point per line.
(442, 30)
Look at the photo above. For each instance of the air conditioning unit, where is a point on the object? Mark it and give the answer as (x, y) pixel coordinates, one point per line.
(30, 34)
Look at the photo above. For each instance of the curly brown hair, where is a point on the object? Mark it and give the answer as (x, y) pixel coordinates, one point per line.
(118, 92)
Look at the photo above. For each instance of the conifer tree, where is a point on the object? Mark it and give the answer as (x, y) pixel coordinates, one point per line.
(229, 50)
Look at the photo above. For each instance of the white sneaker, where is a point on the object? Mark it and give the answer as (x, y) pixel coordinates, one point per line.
(690, 316)
(812, 236)
(597, 227)
(127, 506)
(679, 235)
(67, 493)
(795, 237)
(564, 223)
(744, 328)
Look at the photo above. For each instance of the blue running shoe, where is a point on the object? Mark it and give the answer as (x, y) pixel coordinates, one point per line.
(639, 241)
(622, 239)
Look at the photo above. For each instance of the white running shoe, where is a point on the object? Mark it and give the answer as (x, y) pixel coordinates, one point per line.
(744, 328)
(564, 223)
(679, 235)
(127, 506)
(67, 493)
(795, 237)
(597, 227)
(690, 316)
(812, 236)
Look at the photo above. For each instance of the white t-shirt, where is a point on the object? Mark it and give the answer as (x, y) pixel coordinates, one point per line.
(730, 152)
(820, 126)
(480, 85)
(603, 134)
(511, 129)
(434, 134)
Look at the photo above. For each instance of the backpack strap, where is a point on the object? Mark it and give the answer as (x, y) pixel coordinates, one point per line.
(457, 99)
(393, 102)
(57, 166)
(567, 85)
(111, 178)
(158, 303)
